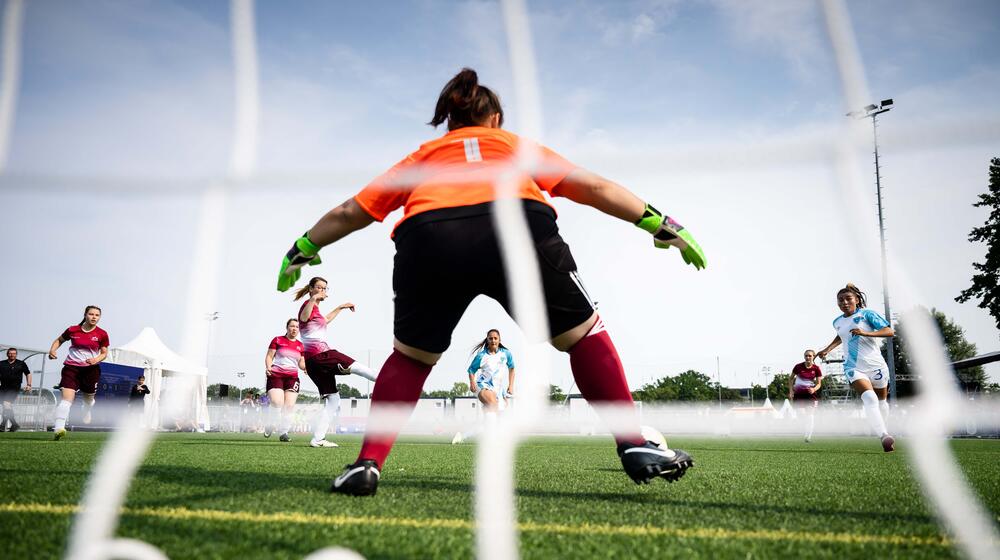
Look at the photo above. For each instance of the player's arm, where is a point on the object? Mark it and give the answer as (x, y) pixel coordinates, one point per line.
(791, 385)
(510, 381)
(884, 332)
(99, 358)
(302, 363)
(27, 374)
(333, 314)
(269, 360)
(819, 383)
(588, 188)
(55, 347)
(333, 226)
(829, 347)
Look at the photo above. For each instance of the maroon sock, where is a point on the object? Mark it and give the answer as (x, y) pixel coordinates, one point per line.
(600, 376)
(397, 386)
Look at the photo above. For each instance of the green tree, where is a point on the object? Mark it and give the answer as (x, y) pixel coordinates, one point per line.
(986, 282)
(957, 348)
(460, 389)
(213, 393)
(346, 391)
(779, 386)
(556, 394)
(687, 386)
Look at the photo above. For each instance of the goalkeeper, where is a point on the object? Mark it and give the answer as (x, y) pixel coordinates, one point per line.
(447, 191)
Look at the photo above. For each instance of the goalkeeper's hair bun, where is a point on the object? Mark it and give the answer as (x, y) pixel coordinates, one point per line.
(463, 102)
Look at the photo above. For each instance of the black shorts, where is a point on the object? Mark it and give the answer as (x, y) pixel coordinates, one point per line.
(445, 258)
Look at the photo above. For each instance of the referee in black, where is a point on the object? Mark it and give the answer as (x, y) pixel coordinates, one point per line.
(11, 371)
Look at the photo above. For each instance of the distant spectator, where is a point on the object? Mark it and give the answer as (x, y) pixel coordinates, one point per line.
(137, 398)
(11, 371)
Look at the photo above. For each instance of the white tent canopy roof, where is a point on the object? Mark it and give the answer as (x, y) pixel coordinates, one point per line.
(147, 350)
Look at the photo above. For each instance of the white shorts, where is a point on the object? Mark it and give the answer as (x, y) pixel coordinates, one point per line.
(878, 377)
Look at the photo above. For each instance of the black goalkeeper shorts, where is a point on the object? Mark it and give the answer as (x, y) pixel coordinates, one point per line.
(445, 258)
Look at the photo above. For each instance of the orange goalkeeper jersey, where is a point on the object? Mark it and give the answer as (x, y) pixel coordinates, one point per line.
(459, 169)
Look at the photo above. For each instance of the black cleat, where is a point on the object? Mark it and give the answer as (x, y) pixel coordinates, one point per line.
(284, 437)
(359, 479)
(643, 463)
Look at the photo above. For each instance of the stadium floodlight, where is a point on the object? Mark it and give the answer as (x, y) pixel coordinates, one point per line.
(873, 111)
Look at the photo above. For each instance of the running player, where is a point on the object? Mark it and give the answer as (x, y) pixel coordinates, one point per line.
(446, 189)
(323, 364)
(804, 388)
(864, 366)
(81, 371)
(491, 359)
(282, 363)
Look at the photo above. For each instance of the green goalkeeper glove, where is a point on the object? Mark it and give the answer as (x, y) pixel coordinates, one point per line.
(668, 233)
(303, 252)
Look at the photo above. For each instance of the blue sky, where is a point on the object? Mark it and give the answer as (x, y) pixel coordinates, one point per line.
(722, 113)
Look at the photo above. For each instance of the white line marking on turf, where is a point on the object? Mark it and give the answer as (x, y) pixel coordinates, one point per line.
(642, 531)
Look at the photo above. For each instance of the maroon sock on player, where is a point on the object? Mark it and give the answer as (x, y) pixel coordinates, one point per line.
(397, 387)
(600, 376)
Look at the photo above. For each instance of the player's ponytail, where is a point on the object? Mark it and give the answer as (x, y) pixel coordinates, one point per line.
(481, 345)
(85, 311)
(858, 294)
(463, 102)
(305, 289)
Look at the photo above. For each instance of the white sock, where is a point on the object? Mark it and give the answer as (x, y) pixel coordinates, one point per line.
(884, 407)
(357, 368)
(88, 402)
(491, 420)
(870, 403)
(272, 416)
(328, 412)
(811, 424)
(62, 412)
(286, 421)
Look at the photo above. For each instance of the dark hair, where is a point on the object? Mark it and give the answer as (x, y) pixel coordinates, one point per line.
(289, 322)
(482, 345)
(305, 289)
(85, 310)
(11, 348)
(463, 102)
(858, 294)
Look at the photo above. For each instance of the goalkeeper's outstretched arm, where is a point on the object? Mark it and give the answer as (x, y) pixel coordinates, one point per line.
(585, 187)
(339, 222)
(336, 224)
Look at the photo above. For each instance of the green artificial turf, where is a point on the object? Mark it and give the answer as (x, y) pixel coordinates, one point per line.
(220, 495)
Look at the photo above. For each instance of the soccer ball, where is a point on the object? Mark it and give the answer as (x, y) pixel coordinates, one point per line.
(654, 435)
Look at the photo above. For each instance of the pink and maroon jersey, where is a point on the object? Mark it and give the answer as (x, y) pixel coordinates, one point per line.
(84, 345)
(313, 332)
(286, 356)
(805, 377)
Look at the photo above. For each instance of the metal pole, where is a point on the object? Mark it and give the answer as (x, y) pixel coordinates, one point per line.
(890, 350)
(718, 379)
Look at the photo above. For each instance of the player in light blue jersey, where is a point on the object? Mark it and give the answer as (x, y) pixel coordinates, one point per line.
(485, 376)
(864, 366)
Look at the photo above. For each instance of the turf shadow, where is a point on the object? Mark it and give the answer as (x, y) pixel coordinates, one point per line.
(208, 484)
(659, 500)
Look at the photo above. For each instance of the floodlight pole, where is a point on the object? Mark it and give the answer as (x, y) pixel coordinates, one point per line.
(874, 111)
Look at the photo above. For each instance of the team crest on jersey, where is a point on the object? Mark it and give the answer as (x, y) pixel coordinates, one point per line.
(857, 320)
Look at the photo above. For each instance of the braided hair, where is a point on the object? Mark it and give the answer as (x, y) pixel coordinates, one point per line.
(858, 294)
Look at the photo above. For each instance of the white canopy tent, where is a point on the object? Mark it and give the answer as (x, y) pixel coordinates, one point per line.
(147, 351)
